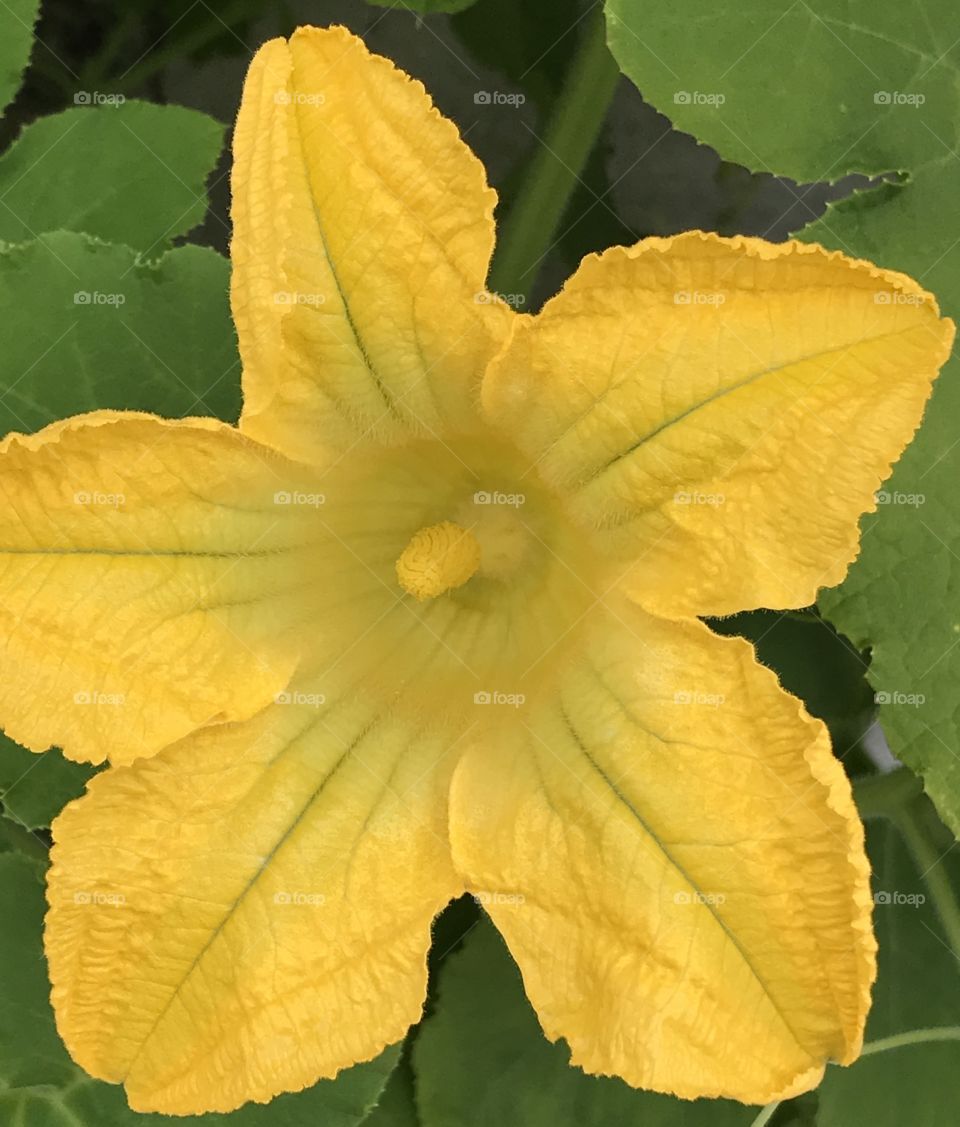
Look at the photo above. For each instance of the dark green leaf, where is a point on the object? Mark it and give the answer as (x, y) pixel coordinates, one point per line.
(918, 986)
(426, 7)
(35, 788)
(397, 1106)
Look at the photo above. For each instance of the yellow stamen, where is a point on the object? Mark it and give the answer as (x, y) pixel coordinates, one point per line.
(437, 559)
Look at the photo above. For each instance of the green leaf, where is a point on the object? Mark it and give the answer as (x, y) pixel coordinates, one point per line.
(35, 788)
(40, 1084)
(397, 1106)
(97, 328)
(918, 986)
(481, 1060)
(873, 91)
(17, 18)
(145, 185)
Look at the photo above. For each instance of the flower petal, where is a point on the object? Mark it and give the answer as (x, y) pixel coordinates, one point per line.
(673, 857)
(363, 231)
(144, 580)
(724, 409)
(266, 919)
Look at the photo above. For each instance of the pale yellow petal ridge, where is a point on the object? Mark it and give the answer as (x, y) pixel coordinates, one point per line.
(722, 410)
(363, 230)
(672, 854)
(146, 593)
(280, 935)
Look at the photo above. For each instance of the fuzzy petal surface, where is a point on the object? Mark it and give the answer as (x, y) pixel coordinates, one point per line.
(363, 231)
(724, 409)
(146, 589)
(250, 910)
(673, 856)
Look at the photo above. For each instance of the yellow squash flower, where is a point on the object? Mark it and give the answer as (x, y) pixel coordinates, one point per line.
(426, 622)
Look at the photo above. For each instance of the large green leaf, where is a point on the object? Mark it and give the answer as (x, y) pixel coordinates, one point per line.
(145, 185)
(97, 328)
(17, 18)
(481, 1060)
(815, 91)
(41, 1087)
(35, 788)
(918, 986)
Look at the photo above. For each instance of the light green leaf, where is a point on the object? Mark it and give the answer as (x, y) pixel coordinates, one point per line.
(814, 91)
(97, 328)
(17, 19)
(40, 1084)
(35, 788)
(131, 173)
(918, 986)
(481, 1060)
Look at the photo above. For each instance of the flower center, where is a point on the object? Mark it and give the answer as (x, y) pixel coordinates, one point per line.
(438, 558)
(499, 578)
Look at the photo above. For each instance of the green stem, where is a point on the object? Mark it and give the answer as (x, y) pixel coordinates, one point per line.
(912, 1037)
(884, 795)
(555, 169)
(766, 1114)
(910, 821)
(883, 1045)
